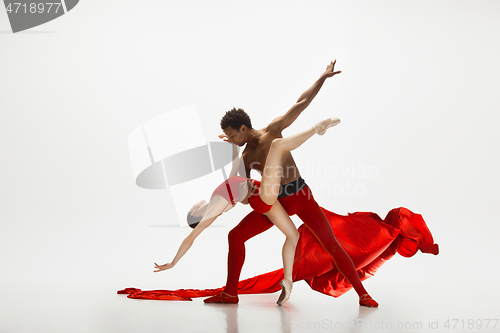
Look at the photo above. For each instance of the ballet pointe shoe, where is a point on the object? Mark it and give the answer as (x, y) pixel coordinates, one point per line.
(321, 127)
(223, 298)
(286, 290)
(367, 300)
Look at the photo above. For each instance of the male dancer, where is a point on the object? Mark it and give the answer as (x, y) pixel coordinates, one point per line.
(295, 196)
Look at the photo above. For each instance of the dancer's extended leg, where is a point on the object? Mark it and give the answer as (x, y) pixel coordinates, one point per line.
(268, 192)
(255, 223)
(273, 170)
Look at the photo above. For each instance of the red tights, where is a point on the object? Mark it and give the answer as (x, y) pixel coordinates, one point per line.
(307, 209)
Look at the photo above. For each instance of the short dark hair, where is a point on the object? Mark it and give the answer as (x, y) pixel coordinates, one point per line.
(235, 118)
(193, 220)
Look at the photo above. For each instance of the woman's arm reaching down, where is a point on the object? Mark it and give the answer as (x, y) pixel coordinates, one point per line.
(216, 207)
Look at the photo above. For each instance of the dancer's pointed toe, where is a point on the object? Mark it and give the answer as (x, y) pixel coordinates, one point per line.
(321, 127)
(286, 290)
(223, 298)
(368, 301)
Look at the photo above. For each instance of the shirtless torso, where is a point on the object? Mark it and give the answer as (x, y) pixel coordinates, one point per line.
(255, 154)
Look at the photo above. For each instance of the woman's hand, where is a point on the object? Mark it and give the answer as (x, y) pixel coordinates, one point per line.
(224, 137)
(329, 72)
(163, 267)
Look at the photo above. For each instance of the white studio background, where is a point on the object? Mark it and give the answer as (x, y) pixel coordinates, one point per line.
(418, 99)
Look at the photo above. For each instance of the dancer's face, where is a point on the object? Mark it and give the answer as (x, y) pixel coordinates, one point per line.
(237, 137)
(245, 190)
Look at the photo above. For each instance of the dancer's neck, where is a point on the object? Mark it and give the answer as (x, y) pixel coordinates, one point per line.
(254, 139)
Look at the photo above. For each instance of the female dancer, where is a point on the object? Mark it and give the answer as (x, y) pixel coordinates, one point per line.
(263, 198)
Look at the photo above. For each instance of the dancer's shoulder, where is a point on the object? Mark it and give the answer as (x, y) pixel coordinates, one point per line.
(275, 126)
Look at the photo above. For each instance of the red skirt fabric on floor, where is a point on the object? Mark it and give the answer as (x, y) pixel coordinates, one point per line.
(367, 239)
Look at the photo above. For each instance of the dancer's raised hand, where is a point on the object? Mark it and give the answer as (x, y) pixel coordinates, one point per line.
(163, 267)
(330, 69)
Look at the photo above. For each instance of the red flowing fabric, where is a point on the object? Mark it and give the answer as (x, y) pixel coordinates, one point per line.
(367, 239)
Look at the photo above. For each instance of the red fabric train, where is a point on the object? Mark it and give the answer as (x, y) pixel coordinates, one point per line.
(367, 239)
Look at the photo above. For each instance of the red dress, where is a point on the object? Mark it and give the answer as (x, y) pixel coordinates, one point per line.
(367, 239)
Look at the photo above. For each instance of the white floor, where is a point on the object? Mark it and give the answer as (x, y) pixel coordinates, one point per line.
(77, 293)
(97, 308)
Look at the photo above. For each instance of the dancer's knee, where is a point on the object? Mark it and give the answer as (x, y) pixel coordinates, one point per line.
(335, 249)
(278, 144)
(235, 238)
(329, 242)
(294, 238)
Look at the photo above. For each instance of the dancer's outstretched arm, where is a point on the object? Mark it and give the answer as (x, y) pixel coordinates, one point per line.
(280, 123)
(216, 206)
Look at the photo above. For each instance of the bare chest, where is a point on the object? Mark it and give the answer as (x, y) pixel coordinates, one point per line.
(256, 158)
